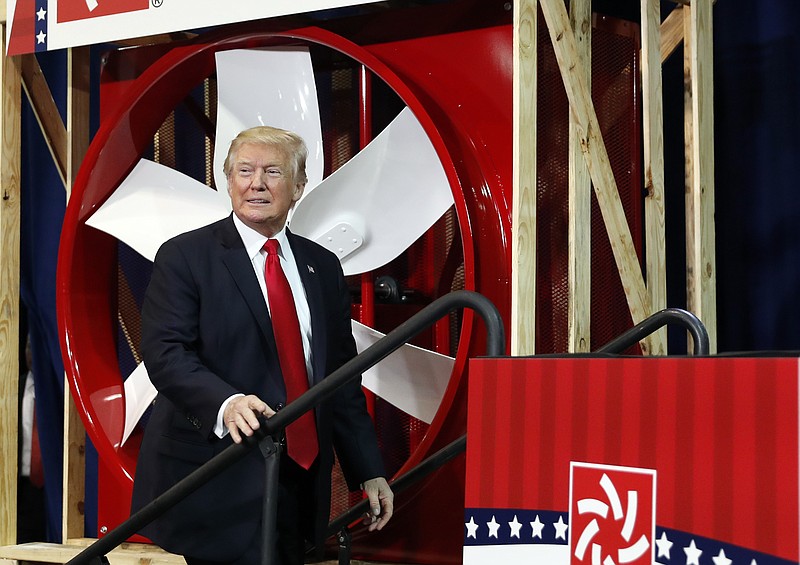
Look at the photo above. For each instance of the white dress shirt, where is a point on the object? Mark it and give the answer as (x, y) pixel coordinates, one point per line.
(254, 244)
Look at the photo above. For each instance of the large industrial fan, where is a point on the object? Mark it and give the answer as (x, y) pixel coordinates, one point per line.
(409, 182)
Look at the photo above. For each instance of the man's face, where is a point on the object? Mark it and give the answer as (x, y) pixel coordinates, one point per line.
(262, 188)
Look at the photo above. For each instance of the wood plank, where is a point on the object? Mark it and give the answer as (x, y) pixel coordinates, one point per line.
(523, 219)
(125, 554)
(579, 225)
(9, 290)
(653, 144)
(78, 109)
(74, 464)
(701, 263)
(671, 32)
(46, 112)
(688, 159)
(74, 471)
(596, 156)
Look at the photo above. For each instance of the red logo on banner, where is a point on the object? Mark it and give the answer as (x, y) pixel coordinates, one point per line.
(612, 515)
(71, 10)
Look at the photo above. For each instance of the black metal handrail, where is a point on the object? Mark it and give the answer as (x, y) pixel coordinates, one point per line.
(655, 322)
(271, 428)
(422, 470)
(495, 346)
(338, 526)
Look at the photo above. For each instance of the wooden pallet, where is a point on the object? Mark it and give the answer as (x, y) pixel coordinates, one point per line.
(126, 554)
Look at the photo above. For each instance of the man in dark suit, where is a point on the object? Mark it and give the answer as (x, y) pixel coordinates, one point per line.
(212, 345)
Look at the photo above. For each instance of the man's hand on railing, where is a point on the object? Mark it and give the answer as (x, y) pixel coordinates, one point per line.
(381, 503)
(240, 415)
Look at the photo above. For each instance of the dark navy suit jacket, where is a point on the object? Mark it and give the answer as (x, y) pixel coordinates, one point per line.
(206, 334)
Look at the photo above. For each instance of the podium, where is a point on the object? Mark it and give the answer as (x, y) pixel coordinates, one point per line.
(609, 461)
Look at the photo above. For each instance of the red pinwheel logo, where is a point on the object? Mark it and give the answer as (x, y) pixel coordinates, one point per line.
(612, 515)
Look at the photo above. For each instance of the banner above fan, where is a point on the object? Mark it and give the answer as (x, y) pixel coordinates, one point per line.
(47, 25)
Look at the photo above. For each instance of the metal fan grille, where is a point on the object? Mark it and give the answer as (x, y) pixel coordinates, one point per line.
(615, 72)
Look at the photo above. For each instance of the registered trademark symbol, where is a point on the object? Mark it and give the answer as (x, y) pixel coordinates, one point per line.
(157, 3)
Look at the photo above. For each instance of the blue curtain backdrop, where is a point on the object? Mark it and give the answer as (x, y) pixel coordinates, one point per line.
(43, 204)
(757, 114)
(757, 87)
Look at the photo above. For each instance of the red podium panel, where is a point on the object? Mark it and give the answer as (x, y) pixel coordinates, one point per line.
(597, 461)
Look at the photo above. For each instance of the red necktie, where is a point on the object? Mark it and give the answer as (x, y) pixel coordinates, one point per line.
(301, 435)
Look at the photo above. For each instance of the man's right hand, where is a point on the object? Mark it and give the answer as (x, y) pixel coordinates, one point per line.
(241, 415)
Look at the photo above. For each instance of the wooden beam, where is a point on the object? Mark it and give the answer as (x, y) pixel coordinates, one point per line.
(700, 226)
(74, 467)
(78, 61)
(72, 516)
(594, 151)
(125, 554)
(46, 112)
(688, 158)
(671, 32)
(653, 133)
(579, 279)
(155, 39)
(523, 218)
(9, 289)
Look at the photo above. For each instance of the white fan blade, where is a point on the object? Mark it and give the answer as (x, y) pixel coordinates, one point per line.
(268, 87)
(381, 201)
(155, 203)
(139, 394)
(411, 378)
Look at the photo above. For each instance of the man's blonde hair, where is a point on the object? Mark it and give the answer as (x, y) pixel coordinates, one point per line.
(288, 141)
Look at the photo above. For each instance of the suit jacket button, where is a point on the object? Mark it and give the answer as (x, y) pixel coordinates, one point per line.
(279, 407)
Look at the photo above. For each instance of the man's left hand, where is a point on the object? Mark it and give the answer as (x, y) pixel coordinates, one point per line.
(381, 503)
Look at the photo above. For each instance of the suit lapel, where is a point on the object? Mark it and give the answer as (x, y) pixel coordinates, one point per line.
(309, 275)
(240, 268)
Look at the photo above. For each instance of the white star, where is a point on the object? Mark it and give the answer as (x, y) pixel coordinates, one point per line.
(753, 562)
(493, 527)
(515, 527)
(664, 545)
(561, 529)
(721, 559)
(40, 14)
(472, 528)
(40, 37)
(537, 527)
(692, 554)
